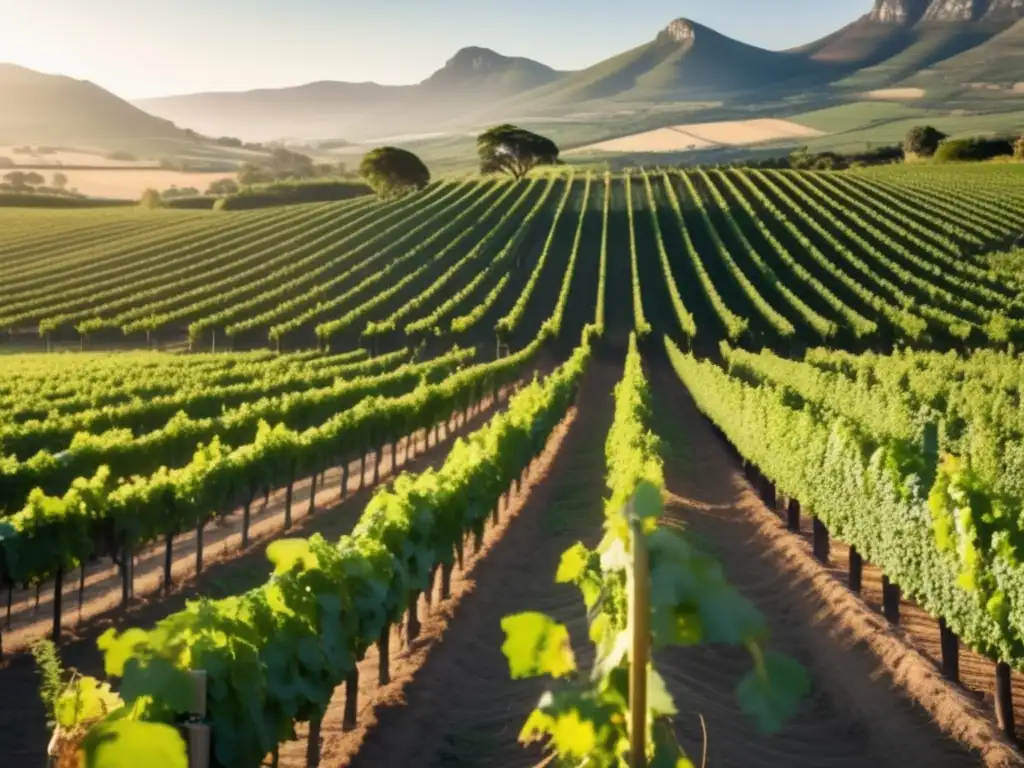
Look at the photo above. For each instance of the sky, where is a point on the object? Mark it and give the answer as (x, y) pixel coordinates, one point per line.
(142, 48)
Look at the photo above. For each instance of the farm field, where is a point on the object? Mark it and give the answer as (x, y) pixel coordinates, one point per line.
(680, 138)
(415, 406)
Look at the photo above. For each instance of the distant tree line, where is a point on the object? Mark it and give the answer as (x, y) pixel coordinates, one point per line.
(33, 182)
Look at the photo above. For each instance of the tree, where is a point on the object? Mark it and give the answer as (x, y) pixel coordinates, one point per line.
(222, 187)
(60, 181)
(286, 164)
(150, 199)
(1018, 149)
(22, 180)
(922, 141)
(391, 171)
(513, 150)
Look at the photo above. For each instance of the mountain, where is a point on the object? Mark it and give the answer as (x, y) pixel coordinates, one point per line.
(900, 38)
(686, 60)
(469, 81)
(57, 110)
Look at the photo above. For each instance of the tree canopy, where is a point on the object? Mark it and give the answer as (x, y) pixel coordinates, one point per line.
(1018, 149)
(514, 150)
(390, 171)
(923, 140)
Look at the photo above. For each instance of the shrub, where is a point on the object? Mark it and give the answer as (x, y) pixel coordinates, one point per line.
(972, 149)
(922, 140)
(150, 199)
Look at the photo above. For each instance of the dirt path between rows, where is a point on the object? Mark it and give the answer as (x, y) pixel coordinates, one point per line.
(460, 708)
(228, 571)
(856, 715)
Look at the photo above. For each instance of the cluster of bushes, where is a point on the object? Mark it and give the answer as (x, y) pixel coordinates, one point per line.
(804, 160)
(33, 182)
(928, 142)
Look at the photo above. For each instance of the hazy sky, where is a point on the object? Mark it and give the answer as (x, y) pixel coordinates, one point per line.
(142, 48)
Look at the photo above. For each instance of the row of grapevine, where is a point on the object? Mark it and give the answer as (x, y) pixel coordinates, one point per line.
(431, 322)
(511, 320)
(640, 323)
(511, 221)
(78, 394)
(683, 315)
(139, 417)
(776, 320)
(59, 305)
(934, 523)
(99, 516)
(173, 444)
(295, 256)
(283, 299)
(482, 201)
(304, 630)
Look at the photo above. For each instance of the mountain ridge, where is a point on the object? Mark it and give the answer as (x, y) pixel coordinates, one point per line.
(897, 41)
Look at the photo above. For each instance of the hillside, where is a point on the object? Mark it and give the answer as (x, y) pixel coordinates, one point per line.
(469, 80)
(998, 61)
(685, 61)
(901, 39)
(58, 110)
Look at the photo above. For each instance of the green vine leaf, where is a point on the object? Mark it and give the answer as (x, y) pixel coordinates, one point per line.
(536, 645)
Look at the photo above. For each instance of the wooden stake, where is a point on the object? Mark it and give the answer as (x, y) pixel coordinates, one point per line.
(168, 561)
(384, 653)
(890, 600)
(344, 479)
(639, 621)
(246, 517)
(288, 498)
(950, 652)
(199, 546)
(312, 495)
(446, 581)
(58, 602)
(856, 570)
(1004, 700)
(348, 722)
(821, 542)
(413, 625)
(313, 742)
(793, 515)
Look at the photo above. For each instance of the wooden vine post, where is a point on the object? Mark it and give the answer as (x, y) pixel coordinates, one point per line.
(638, 590)
(197, 732)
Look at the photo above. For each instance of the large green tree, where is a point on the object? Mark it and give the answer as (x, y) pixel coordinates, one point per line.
(392, 171)
(513, 150)
(922, 140)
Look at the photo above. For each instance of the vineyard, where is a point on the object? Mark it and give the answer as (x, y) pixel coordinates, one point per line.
(426, 411)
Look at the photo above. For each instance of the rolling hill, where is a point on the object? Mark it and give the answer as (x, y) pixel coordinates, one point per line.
(972, 47)
(469, 80)
(685, 61)
(58, 110)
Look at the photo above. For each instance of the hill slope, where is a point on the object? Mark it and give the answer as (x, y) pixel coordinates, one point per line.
(471, 79)
(686, 60)
(53, 109)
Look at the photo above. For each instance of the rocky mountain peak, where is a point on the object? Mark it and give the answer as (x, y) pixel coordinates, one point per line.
(955, 10)
(476, 60)
(1011, 10)
(899, 11)
(908, 12)
(680, 31)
